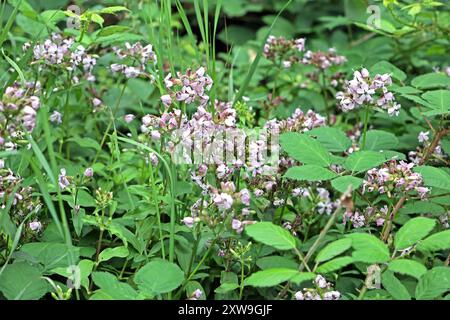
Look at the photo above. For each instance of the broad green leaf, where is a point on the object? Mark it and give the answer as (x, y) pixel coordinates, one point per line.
(335, 264)
(111, 288)
(433, 283)
(434, 177)
(270, 277)
(422, 207)
(435, 242)
(341, 184)
(363, 160)
(368, 248)
(412, 231)
(333, 249)
(302, 277)
(394, 286)
(226, 287)
(109, 253)
(309, 172)
(431, 80)
(51, 255)
(439, 101)
(159, 276)
(305, 149)
(271, 235)
(21, 281)
(387, 67)
(377, 140)
(333, 139)
(271, 262)
(409, 267)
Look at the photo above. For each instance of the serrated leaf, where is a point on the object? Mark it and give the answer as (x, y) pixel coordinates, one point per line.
(271, 235)
(439, 101)
(368, 248)
(333, 249)
(22, 281)
(335, 264)
(363, 160)
(305, 149)
(159, 276)
(377, 140)
(413, 231)
(396, 289)
(409, 267)
(431, 80)
(333, 139)
(435, 242)
(270, 277)
(271, 262)
(342, 184)
(309, 173)
(387, 67)
(433, 283)
(434, 177)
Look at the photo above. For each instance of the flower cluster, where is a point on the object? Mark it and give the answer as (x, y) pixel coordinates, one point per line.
(22, 203)
(417, 155)
(138, 57)
(298, 122)
(187, 87)
(323, 60)
(323, 291)
(58, 51)
(363, 90)
(371, 214)
(394, 178)
(18, 109)
(282, 50)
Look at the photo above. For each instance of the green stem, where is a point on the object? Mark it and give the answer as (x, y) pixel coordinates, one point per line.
(366, 121)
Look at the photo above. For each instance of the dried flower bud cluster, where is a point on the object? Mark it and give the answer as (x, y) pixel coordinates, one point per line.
(18, 109)
(362, 90)
(137, 58)
(323, 60)
(283, 51)
(393, 179)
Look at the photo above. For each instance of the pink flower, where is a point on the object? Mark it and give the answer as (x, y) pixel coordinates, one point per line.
(35, 226)
(166, 100)
(62, 180)
(129, 117)
(89, 172)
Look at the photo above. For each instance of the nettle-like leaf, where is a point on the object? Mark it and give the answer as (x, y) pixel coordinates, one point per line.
(50, 255)
(117, 252)
(408, 267)
(368, 248)
(387, 67)
(333, 139)
(377, 140)
(433, 284)
(413, 231)
(335, 264)
(342, 184)
(111, 288)
(431, 80)
(427, 207)
(363, 160)
(270, 262)
(438, 100)
(435, 242)
(395, 288)
(22, 281)
(434, 177)
(158, 276)
(275, 276)
(271, 235)
(305, 149)
(309, 172)
(333, 249)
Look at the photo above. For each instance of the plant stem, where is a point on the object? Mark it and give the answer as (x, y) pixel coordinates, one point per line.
(366, 121)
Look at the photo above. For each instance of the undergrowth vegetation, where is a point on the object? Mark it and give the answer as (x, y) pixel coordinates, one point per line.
(236, 149)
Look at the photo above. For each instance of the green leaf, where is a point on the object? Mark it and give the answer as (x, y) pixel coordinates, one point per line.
(273, 277)
(113, 9)
(431, 80)
(111, 288)
(302, 277)
(422, 207)
(226, 287)
(51, 255)
(159, 276)
(412, 231)
(335, 264)
(394, 286)
(271, 235)
(309, 173)
(409, 267)
(21, 281)
(363, 160)
(368, 248)
(271, 262)
(86, 142)
(439, 101)
(305, 149)
(117, 252)
(333, 249)
(377, 140)
(433, 283)
(434, 177)
(341, 184)
(386, 67)
(333, 139)
(435, 242)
